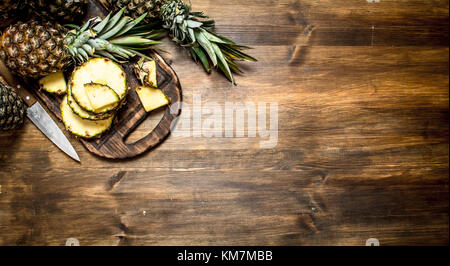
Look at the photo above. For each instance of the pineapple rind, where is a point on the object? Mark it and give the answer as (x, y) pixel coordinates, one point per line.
(136, 8)
(151, 78)
(82, 127)
(145, 70)
(34, 49)
(60, 10)
(12, 108)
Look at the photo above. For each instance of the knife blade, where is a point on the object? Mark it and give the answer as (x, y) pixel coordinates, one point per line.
(40, 118)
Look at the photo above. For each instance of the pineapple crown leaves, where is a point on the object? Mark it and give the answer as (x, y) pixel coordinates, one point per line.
(192, 31)
(116, 37)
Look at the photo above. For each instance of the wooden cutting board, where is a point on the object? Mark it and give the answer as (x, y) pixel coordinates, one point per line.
(112, 143)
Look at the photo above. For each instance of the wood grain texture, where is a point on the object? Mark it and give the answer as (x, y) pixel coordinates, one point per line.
(362, 93)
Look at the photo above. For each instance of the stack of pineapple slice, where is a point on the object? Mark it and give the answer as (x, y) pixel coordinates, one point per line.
(95, 92)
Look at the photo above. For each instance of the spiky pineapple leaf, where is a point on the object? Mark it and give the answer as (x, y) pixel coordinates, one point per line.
(212, 37)
(145, 28)
(72, 26)
(113, 21)
(223, 65)
(201, 55)
(236, 53)
(110, 56)
(206, 44)
(116, 29)
(100, 26)
(193, 24)
(133, 41)
(130, 25)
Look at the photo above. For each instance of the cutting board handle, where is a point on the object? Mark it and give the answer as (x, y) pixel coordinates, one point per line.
(113, 145)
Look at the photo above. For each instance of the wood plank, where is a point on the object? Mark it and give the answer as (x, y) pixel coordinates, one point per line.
(388, 22)
(362, 145)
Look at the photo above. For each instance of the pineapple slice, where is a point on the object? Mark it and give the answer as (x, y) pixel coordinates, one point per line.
(81, 112)
(54, 83)
(82, 127)
(150, 66)
(101, 71)
(151, 98)
(102, 97)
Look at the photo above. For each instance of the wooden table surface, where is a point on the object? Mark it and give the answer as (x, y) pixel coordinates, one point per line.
(362, 150)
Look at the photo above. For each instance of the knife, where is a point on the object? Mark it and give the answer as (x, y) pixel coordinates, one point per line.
(40, 118)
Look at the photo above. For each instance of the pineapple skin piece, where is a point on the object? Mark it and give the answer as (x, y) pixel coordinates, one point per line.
(60, 10)
(136, 8)
(145, 71)
(151, 98)
(10, 10)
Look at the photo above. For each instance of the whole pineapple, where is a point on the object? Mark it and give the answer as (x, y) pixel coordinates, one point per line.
(9, 9)
(137, 8)
(34, 49)
(39, 48)
(60, 10)
(190, 30)
(12, 108)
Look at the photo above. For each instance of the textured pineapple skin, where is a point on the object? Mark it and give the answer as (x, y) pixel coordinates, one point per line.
(9, 10)
(34, 49)
(136, 8)
(12, 109)
(60, 10)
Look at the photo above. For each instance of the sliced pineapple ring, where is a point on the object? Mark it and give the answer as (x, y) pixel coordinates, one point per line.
(102, 97)
(101, 71)
(81, 112)
(151, 98)
(82, 127)
(54, 83)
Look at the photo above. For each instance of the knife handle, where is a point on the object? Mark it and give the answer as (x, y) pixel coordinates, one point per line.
(27, 97)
